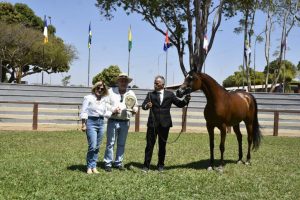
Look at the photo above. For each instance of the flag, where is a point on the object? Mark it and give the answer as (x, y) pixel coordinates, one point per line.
(247, 48)
(167, 43)
(90, 36)
(45, 30)
(205, 43)
(129, 39)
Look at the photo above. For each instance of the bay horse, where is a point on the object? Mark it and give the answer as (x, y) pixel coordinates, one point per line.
(225, 109)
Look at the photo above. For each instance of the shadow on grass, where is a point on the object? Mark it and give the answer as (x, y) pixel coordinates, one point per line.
(82, 168)
(201, 164)
(137, 165)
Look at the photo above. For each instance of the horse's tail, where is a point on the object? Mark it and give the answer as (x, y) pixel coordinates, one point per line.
(256, 128)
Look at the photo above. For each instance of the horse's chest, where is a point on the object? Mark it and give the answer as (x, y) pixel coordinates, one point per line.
(214, 113)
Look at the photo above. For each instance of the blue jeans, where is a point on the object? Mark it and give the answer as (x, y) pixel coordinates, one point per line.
(117, 130)
(94, 133)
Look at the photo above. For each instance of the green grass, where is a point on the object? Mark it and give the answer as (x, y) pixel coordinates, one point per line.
(51, 165)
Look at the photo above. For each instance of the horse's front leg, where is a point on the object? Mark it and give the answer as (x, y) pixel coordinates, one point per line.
(210, 130)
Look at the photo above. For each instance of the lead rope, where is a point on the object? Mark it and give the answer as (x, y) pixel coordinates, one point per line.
(154, 124)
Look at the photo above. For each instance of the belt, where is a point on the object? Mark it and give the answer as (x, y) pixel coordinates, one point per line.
(119, 120)
(95, 118)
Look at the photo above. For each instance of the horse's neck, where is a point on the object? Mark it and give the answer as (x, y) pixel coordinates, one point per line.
(212, 90)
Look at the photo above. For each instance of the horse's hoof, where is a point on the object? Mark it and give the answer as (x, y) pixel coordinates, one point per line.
(247, 163)
(240, 162)
(210, 168)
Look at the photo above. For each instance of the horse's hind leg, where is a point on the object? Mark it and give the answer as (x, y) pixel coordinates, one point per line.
(250, 140)
(239, 136)
(210, 130)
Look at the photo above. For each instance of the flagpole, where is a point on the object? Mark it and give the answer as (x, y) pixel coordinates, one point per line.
(128, 62)
(89, 62)
(166, 68)
(43, 64)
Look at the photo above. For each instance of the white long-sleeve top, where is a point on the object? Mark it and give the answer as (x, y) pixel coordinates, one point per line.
(118, 101)
(95, 108)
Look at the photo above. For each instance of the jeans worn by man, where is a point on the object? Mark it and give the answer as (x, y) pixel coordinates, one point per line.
(118, 124)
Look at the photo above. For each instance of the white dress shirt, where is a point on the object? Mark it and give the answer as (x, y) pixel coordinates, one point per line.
(118, 100)
(161, 96)
(95, 108)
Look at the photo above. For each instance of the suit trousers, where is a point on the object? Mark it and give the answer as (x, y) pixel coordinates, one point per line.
(152, 133)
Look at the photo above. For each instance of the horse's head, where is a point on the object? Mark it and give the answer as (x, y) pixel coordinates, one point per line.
(192, 82)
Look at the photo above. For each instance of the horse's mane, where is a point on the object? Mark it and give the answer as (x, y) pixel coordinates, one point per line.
(206, 76)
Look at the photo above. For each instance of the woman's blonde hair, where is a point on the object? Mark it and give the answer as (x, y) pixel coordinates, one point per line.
(105, 91)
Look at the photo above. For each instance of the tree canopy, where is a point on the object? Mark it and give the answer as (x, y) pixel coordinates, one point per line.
(22, 51)
(236, 80)
(108, 75)
(286, 73)
(186, 21)
(22, 14)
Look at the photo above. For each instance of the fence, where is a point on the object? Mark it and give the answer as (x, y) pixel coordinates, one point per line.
(27, 107)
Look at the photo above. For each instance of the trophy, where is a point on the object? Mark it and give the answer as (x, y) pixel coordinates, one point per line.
(130, 101)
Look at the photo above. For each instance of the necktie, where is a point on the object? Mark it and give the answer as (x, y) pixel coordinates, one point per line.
(159, 97)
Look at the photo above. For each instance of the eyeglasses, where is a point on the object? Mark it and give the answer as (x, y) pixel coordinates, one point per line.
(100, 88)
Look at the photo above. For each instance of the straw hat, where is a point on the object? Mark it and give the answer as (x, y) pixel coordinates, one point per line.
(124, 76)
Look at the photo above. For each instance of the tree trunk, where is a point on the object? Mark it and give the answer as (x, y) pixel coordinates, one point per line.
(250, 33)
(268, 30)
(245, 46)
(282, 44)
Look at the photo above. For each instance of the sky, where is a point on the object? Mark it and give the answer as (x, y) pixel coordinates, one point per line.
(110, 45)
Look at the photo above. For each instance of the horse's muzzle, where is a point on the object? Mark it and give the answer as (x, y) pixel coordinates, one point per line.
(179, 93)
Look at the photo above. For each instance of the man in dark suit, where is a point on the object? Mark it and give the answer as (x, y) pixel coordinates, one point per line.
(159, 120)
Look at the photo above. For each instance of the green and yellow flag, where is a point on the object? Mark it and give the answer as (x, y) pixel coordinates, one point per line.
(129, 39)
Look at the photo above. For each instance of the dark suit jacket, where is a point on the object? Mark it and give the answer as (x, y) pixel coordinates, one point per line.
(162, 112)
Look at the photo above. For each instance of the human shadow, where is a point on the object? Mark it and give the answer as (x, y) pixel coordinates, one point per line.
(137, 165)
(82, 168)
(201, 164)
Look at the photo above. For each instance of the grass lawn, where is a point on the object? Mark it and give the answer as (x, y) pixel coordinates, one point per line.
(51, 165)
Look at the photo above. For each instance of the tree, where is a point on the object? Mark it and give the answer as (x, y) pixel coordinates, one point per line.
(179, 17)
(248, 8)
(108, 75)
(285, 73)
(269, 7)
(25, 54)
(236, 80)
(66, 80)
(286, 12)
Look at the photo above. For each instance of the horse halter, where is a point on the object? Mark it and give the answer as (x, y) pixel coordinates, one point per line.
(188, 88)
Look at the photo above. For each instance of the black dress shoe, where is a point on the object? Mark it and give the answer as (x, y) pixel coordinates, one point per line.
(160, 168)
(108, 169)
(145, 169)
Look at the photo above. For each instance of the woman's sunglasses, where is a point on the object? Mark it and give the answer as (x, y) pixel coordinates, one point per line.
(100, 87)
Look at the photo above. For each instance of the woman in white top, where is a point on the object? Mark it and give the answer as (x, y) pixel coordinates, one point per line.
(95, 107)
